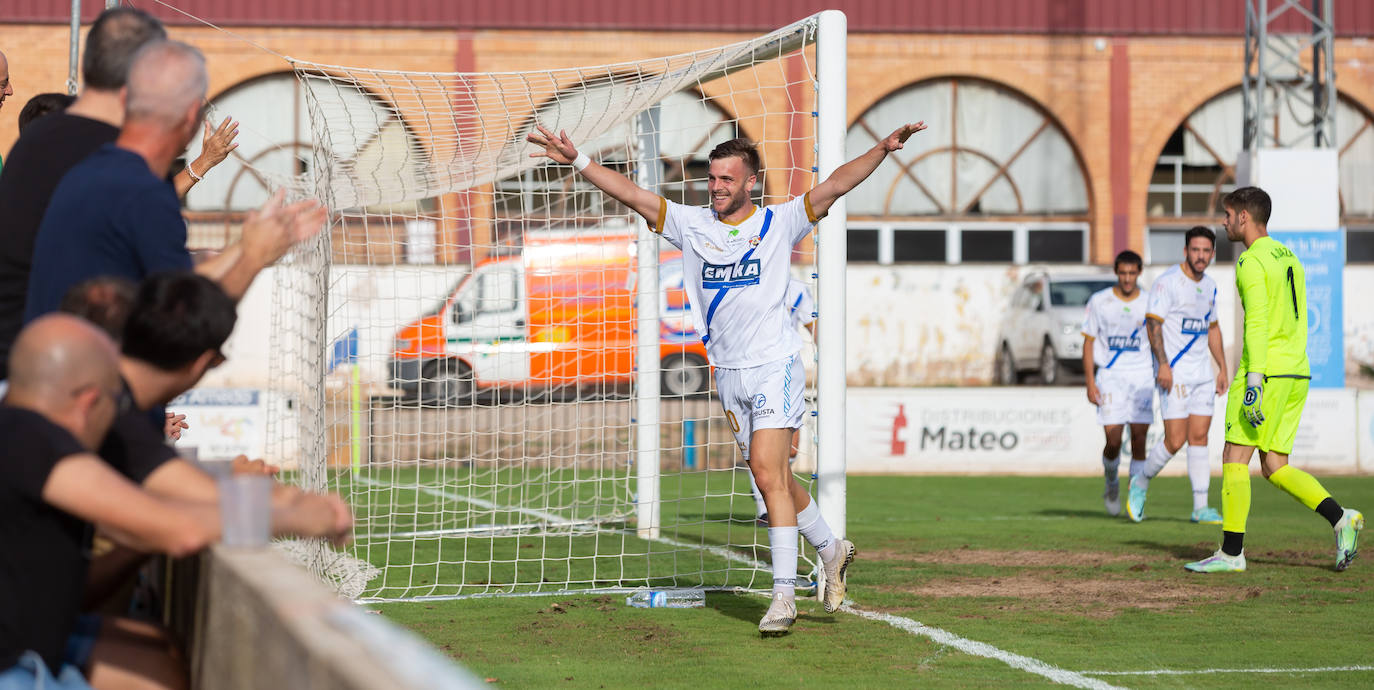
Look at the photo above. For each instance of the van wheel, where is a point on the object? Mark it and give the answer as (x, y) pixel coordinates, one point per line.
(685, 374)
(1005, 367)
(1050, 372)
(446, 382)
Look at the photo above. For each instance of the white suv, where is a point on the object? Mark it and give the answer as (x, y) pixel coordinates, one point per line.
(1042, 331)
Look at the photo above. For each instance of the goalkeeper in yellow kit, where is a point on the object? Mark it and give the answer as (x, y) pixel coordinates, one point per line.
(1270, 388)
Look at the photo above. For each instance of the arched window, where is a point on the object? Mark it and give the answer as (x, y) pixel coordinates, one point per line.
(993, 179)
(1198, 166)
(275, 150)
(689, 125)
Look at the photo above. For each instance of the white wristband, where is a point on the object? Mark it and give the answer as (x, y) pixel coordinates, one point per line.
(192, 172)
(581, 162)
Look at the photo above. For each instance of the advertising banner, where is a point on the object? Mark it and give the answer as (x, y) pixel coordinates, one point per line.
(1322, 254)
(1045, 431)
(224, 422)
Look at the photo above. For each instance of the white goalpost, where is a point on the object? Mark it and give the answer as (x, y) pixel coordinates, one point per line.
(494, 362)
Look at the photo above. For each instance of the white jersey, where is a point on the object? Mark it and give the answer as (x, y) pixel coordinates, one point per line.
(736, 278)
(1117, 327)
(1187, 308)
(800, 306)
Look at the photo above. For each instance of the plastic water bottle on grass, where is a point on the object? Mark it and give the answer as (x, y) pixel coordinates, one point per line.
(667, 598)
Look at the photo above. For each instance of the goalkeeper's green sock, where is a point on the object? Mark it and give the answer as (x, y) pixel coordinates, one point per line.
(1308, 491)
(1235, 506)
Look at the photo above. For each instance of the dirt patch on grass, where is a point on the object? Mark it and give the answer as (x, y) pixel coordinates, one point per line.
(1033, 559)
(1093, 597)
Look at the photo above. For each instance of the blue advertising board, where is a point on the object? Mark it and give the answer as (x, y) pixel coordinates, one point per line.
(1322, 253)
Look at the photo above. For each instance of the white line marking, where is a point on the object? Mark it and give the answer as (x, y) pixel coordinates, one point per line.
(967, 646)
(939, 636)
(1172, 672)
(555, 520)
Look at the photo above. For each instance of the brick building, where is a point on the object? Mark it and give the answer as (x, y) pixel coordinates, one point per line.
(1088, 127)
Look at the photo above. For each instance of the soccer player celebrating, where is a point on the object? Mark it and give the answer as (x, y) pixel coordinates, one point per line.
(1183, 312)
(1270, 388)
(735, 267)
(1123, 388)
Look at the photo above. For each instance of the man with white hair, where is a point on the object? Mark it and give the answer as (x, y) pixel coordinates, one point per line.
(114, 214)
(51, 146)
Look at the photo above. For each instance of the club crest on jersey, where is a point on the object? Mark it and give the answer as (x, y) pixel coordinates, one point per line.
(717, 276)
(754, 241)
(1123, 342)
(1194, 327)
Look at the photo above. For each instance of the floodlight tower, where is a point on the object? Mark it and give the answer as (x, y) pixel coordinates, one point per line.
(1277, 78)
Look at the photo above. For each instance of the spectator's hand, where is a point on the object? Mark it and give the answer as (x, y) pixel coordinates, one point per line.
(316, 515)
(559, 148)
(271, 231)
(171, 430)
(897, 139)
(242, 465)
(216, 145)
(1165, 378)
(1093, 396)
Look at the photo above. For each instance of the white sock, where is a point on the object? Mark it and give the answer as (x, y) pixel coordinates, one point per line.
(760, 508)
(1137, 466)
(1158, 458)
(782, 543)
(817, 533)
(1199, 473)
(1110, 468)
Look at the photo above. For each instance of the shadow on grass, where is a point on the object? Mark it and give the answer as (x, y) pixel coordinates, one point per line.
(1189, 552)
(751, 607)
(1066, 513)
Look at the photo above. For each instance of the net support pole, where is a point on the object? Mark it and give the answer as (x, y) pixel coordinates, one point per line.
(74, 48)
(647, 375)
(831, 259)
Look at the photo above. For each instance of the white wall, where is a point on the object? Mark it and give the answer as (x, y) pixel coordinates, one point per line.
(907, 325)
(937, 325)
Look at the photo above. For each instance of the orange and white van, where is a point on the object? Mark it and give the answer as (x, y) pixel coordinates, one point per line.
(558, 313)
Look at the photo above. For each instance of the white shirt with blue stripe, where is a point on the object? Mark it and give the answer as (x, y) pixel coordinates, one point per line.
(1120, 342)
(1187, 308)
(736, 278)
(799, 303)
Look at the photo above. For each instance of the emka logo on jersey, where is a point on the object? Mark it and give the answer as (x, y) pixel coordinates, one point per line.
(1194, 327)
(1123, 342)
(717, 276)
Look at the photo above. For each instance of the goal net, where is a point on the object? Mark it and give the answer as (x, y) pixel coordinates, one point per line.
(493, 361)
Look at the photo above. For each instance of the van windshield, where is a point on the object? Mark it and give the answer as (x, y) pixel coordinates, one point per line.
(1075, 293)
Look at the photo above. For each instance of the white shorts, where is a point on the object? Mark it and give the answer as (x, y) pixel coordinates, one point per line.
(768, 396)
(1188, 399)
(1125, 398)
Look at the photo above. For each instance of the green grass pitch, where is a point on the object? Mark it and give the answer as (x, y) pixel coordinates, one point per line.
(1029, 565)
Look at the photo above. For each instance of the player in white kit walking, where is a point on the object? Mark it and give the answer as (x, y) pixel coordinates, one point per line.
(1183, 330)
(736, 258)
(1117, 370)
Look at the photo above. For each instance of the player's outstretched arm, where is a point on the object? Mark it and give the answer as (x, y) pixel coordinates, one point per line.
(560, 149)
(849, 175)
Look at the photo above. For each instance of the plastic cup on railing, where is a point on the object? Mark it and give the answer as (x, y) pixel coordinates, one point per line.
(245, 508)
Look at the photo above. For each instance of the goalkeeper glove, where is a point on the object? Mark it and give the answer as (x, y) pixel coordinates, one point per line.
(1254, 398)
